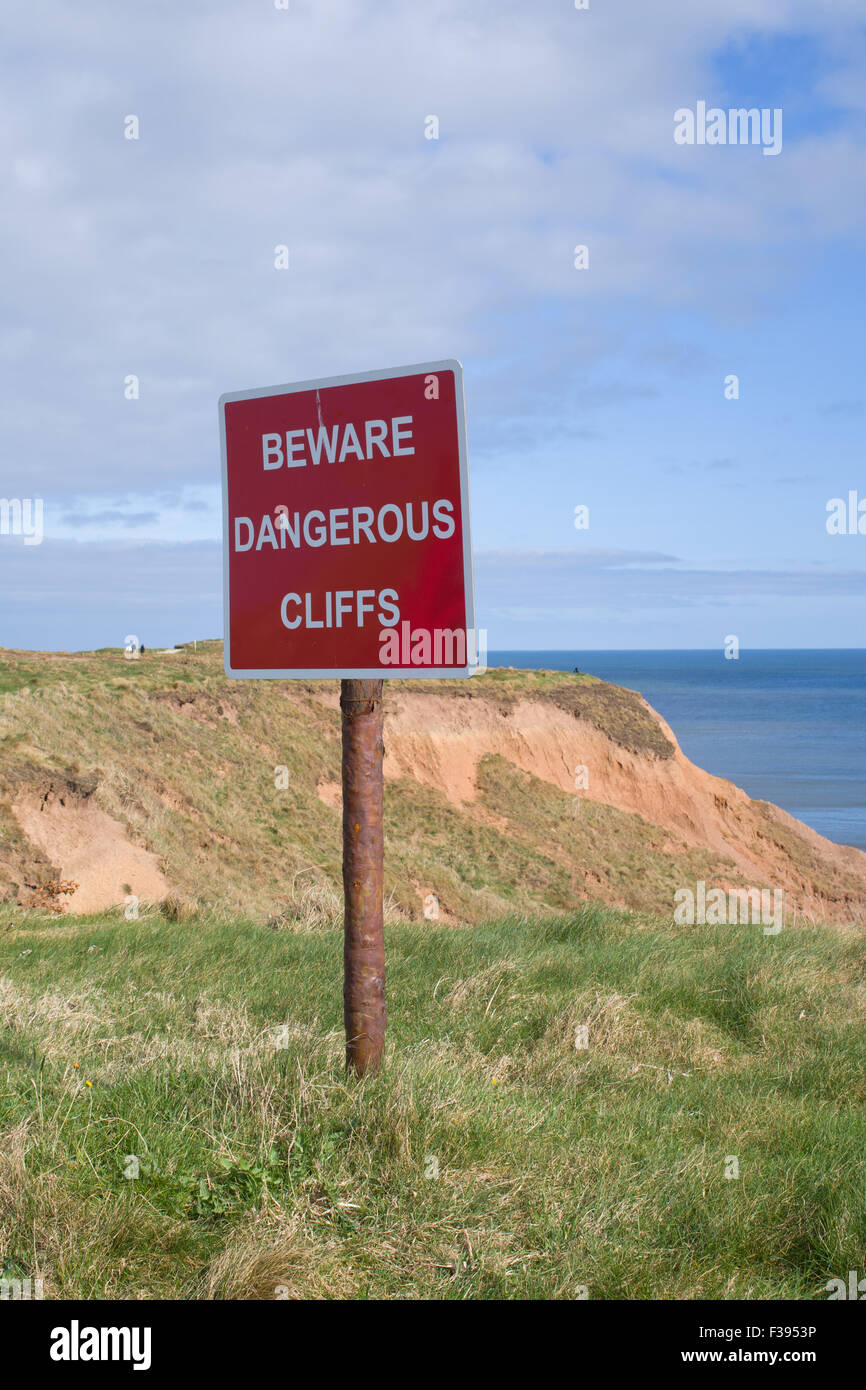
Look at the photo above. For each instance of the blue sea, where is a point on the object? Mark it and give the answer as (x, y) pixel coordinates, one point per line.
(786, 726)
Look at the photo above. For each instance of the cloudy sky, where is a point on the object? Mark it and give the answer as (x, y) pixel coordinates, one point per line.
(605, 387)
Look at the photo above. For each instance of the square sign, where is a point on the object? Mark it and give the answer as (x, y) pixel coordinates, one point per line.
(346, 527)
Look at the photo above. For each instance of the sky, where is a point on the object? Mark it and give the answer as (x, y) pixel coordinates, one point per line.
(602, 387)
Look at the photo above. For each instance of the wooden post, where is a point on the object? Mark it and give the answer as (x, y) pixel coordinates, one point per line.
(363, 850)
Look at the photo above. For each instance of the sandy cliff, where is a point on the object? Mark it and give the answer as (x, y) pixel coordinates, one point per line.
(516, 791)
(441, 742)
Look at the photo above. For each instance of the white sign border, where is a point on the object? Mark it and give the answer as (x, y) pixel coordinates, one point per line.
(376, 672)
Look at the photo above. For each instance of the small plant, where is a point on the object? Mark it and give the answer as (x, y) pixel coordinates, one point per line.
(236, 1186)
(46, 896)
(315, 904)
(175, 908)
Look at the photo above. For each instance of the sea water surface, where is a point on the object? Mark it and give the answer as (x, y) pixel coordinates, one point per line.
(786, 726)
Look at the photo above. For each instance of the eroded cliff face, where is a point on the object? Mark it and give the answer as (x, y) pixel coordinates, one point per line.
(441, 742)
(516, 791)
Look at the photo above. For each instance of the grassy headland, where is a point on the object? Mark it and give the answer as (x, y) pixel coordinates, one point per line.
(495, 1156)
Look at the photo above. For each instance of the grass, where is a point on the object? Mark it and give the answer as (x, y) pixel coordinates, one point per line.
(490, 1159)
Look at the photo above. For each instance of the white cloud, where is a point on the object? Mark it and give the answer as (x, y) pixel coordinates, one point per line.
(260, 126)
(155, 257)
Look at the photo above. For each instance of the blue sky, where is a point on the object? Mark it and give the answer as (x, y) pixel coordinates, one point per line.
(602, 387)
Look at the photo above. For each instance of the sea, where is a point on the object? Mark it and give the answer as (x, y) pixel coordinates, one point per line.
(786, 726)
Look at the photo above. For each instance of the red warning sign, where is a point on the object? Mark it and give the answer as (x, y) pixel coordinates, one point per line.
(346, 527)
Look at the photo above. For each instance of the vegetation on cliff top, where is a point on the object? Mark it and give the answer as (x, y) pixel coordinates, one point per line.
(176, 1121)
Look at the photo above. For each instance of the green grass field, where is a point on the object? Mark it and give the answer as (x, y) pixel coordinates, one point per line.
(492, 1158)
